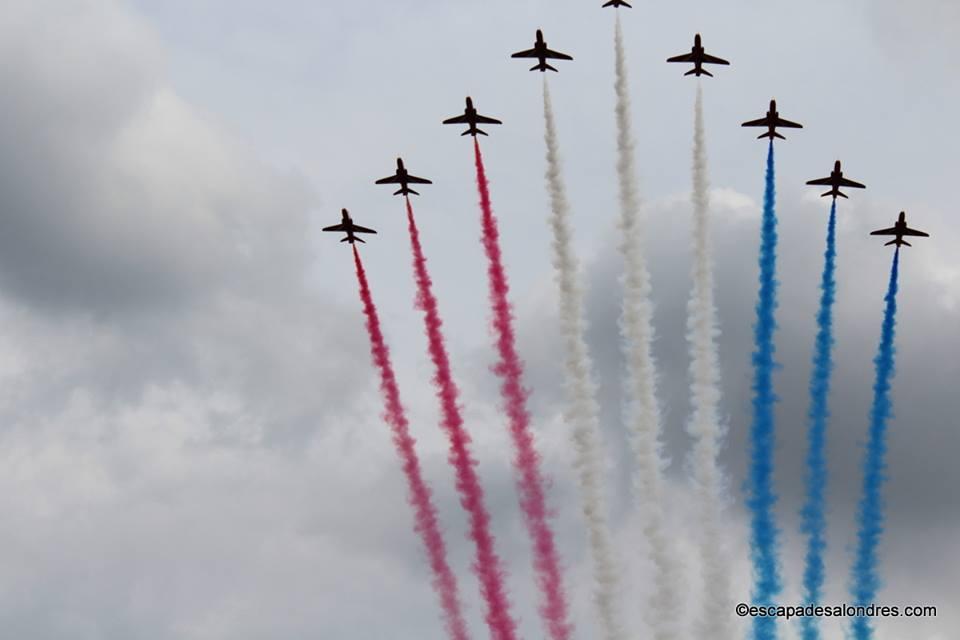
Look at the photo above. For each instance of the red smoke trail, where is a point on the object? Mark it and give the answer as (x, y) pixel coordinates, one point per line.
(486, 564)
(444, 582)
(527, 461)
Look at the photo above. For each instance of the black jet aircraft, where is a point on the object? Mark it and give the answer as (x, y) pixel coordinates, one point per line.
(699, 58)
(403, 178)
(772, 120)
(541, 52)
(835, 181)
(617, 3)
(347, 226)
(899, 230)
(472, 118)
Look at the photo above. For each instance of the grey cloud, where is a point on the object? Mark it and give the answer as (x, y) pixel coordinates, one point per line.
(117, 193)
(921, 476)
(924, 410)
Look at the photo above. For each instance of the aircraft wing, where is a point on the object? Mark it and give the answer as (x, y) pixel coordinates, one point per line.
(485, 120)
(529, 53)
(892, 231)
(913, 232)
(336, 227)
(851, 183)
(762, 122)
(358, 229)
(787, 124)
(828, 182)
(390, 180)
(416, 180)
(457, 120)
(687, 57)
(556, 55)
(713, 59)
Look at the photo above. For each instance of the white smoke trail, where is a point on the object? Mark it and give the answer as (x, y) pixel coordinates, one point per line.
(582, 410)
(704, 425)
(636, 328)
(643, 410)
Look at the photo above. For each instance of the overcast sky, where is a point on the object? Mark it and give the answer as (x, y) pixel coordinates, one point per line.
(190, 441)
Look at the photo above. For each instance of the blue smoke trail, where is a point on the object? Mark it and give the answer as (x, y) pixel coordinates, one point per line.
(812, 514)
(865, 580)
(761, 499)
